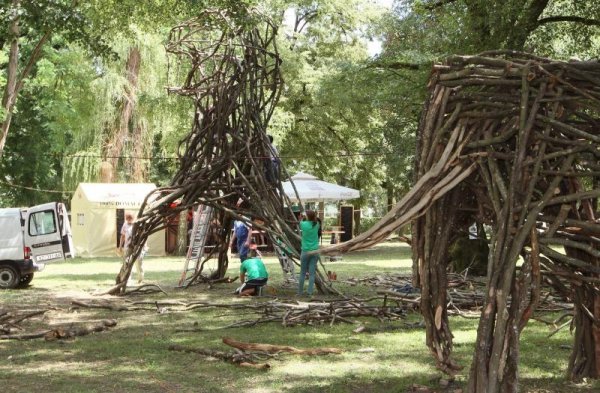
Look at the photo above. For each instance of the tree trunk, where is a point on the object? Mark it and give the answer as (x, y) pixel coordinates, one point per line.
(182, 234)
(139, 167)
(389, 190)
(10, 92)
(122, 133)
(525, 24)
(14, 84)
(106, 172)
(585, 357)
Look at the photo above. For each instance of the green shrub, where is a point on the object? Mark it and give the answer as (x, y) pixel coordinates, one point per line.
(469, 253)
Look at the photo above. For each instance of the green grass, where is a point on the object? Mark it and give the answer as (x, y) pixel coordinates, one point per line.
(133, 356)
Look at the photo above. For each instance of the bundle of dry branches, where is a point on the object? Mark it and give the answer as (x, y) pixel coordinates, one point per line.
(287, 313)
(10, 321)
(322, 312)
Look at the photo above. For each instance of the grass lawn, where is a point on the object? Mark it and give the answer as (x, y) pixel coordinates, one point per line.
(133, 356)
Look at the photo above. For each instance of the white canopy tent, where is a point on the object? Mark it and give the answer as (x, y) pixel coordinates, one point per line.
(311, 189)
(98, 210)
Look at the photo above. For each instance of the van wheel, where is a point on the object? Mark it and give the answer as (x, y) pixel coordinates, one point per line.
(9, 277)
(25, 280)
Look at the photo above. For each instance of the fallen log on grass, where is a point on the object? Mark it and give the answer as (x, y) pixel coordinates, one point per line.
(239, 358)
(251, 354)
(9, 321)
(269, 348)
(62, 332)
(74, 331)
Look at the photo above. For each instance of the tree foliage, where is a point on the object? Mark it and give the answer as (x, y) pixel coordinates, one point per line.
(329, 121)
(345, 115)
(545, 26)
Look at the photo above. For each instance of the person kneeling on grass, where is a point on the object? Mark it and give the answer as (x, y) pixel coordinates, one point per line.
(253, 275)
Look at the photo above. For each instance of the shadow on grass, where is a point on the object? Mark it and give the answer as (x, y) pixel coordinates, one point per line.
(557, 384)
(92, 277)
(134, 356)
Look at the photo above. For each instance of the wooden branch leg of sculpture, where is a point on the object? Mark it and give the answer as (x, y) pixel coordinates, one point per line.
(585, 358)
(129, 259)
(435, 230)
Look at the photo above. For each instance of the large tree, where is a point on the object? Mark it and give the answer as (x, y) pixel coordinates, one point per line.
(329, 120)
(471, 26)
(28, 26)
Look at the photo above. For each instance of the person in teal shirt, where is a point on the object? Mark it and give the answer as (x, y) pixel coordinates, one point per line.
(253, 275)
(310, 229)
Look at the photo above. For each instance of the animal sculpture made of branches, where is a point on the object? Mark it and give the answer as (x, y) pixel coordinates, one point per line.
(509, 140)
(225, 161)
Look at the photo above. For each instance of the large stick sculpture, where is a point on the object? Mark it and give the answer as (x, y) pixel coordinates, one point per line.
(235, 81)
(509, 140)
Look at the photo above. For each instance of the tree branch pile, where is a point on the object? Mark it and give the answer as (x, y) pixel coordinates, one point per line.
(323, 312)
(10, 321)
(11, 327)
(284, 312)
(464, 293)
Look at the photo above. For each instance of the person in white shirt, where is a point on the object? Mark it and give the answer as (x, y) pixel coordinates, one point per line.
(126, 232)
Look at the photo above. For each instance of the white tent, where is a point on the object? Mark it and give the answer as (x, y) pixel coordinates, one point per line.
(98, 210)
(311, 189)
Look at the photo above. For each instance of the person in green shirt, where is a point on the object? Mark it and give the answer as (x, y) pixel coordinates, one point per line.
(310, 228)
(253, 275)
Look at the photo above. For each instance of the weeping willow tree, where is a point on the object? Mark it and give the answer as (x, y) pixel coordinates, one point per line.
(127, 108)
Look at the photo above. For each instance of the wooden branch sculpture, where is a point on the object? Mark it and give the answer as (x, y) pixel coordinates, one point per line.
(234, 79)
(510, 140)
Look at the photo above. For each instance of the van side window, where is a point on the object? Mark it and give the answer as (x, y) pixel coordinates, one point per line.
(42, 223)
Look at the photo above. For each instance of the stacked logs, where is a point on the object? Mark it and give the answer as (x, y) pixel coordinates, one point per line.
(509, 140)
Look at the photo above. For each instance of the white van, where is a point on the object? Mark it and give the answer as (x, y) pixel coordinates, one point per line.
(30, 238)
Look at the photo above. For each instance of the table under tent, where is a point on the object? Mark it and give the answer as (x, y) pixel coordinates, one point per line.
(305, 189)
(313, 190)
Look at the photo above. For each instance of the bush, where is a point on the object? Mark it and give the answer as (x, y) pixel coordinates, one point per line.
(469, 253)
(366, 223)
